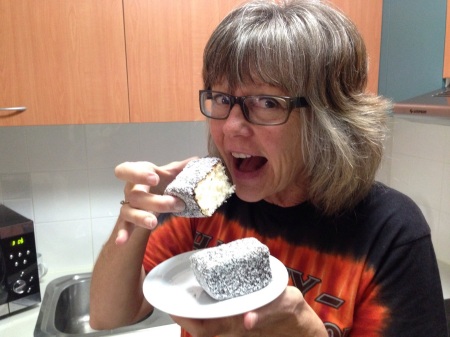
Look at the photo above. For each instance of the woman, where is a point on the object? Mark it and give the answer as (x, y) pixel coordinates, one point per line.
(288, 114)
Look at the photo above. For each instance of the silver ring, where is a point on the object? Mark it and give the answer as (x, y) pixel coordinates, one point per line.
(124, 202)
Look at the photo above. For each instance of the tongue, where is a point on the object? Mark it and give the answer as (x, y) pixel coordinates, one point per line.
(252, 164)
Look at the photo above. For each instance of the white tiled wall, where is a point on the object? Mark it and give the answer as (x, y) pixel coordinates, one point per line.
(63, 178)
(420, 167)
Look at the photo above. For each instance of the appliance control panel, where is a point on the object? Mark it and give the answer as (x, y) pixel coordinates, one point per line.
(20, 258)
(19, 275)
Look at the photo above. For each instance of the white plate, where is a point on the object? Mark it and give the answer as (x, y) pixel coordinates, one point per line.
(172, 287)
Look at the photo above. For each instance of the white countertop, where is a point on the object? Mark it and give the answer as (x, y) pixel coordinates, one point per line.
(22, 324)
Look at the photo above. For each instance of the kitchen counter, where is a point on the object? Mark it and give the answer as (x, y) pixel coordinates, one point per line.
(22, 324)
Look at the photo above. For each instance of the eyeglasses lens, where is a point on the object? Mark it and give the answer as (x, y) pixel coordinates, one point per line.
(263, 110)
(215, 104)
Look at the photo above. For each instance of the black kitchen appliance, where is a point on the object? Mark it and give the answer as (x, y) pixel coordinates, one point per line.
(19, 279)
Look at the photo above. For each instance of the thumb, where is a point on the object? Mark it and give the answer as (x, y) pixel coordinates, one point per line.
(124, 233)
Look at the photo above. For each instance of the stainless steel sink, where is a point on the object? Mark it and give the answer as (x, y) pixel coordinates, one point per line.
(65, 311)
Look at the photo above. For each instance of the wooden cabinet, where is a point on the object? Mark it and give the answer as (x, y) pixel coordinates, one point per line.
(446, 73)
(64, 60)
(120, 61)
(367, 15)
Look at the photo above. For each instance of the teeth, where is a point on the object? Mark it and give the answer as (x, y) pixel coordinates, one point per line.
(240, 155)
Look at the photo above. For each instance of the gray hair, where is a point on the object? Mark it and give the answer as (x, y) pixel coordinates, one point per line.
(310, 49)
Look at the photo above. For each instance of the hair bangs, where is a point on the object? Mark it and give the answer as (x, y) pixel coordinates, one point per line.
(256, 53)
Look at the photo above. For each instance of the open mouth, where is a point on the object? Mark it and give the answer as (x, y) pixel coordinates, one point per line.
(247, 163)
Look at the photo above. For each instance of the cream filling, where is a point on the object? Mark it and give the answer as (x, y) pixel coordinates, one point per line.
(213, 190)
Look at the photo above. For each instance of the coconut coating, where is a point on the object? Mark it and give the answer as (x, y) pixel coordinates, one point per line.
(185, 186)
(235, 269)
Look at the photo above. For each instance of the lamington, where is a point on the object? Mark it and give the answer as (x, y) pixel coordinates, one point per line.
(203, 185)
(234, 269)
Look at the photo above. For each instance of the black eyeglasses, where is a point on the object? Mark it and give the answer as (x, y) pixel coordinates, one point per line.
(260, 109)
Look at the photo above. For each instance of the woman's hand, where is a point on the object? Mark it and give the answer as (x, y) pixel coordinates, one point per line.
(288, 315)
(145, 184)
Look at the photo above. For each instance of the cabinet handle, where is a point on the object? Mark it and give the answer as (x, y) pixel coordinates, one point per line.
(14, 109)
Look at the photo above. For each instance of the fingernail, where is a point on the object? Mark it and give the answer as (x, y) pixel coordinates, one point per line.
(121, 237)
(153, 179)
(179, 206)
(250, 320)
(150, 222)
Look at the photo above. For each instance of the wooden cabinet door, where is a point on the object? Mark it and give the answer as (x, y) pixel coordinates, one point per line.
(165, 42)
(367, 16)
(64, 60)
(446, 73)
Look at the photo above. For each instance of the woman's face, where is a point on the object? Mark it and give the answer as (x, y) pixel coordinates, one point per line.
(265, 162)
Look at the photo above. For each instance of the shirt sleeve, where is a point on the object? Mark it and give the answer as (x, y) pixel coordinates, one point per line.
(410, 292)
(406, 279)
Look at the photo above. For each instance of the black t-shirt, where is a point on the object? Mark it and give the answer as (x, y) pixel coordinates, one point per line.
(371, 271)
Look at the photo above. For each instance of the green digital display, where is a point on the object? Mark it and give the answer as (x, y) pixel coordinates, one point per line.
(18, 242)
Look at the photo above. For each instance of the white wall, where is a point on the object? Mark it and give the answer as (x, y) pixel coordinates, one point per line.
(419, 158)
(63, 177)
